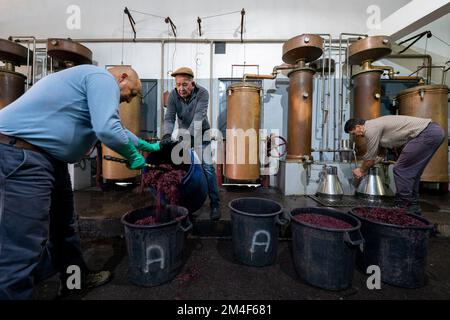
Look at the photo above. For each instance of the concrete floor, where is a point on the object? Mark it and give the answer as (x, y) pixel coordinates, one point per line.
(209, 271)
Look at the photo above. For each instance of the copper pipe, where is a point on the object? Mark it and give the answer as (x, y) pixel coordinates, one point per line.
(258, 76)
(273, 75)
(391, 72)
(407, 78)
(415, 56)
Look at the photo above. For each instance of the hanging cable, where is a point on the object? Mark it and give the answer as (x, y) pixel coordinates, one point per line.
(123, 34)
(148, 14)
(444, 42)
(172, 25)
(417, 37)
(132, 22)
(222, 14)
(242, 24)
(199, 21)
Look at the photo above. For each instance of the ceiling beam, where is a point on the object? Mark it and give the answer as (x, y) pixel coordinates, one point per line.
(411, 17)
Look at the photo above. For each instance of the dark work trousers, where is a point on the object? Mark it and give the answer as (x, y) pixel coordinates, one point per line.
(412, 162)
(210, 173)
(37, 220)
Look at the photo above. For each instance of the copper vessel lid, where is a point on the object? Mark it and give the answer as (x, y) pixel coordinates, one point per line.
(430, 87)
(68, 50)
(304, 69)
(307, 47)
(244, 85)
(11, 73)
(367, 71)
(323, 63)
(13, 52)
(369, 49)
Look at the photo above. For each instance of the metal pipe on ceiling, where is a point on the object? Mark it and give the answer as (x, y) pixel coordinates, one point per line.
(161, 90)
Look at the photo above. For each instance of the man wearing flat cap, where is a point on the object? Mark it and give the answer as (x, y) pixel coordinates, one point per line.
(189, 103)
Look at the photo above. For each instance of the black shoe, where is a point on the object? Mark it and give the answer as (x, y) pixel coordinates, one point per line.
(92, 280)
(215, 213)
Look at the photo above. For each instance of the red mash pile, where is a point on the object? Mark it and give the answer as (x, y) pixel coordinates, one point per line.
(166, 182)
(322, 221)
(389, 215)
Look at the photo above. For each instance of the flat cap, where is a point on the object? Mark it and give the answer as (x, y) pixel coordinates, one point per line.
(183, 71)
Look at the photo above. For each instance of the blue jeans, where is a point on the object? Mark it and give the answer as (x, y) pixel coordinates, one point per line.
(37, 220)
(211, 178)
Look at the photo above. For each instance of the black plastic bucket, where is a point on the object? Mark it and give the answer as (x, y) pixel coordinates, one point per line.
(399, 251)
(325, 257)
(155, 252)
(254, 223)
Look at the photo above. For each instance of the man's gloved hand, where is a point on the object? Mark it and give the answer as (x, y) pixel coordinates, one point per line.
(167, 145)
(166, 138)
(134, 158)
(148, 147)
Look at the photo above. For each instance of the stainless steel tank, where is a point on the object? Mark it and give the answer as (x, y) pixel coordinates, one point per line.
(129, 114)
(429, 101)
(243, 116)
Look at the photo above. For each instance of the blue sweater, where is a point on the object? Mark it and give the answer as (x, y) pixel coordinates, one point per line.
(187, 112)
(65, 112)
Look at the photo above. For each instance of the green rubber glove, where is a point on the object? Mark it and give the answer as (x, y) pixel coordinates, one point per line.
(135, 159)
(148, 147)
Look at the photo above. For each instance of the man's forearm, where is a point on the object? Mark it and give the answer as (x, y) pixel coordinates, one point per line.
(367, 164)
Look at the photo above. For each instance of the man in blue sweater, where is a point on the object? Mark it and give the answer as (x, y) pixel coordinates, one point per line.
(54, 123)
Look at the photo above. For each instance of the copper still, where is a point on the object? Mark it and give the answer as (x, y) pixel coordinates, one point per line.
(12, 84)
(366, 84)
(66, 53)
(300, 113)
(298, 51)
(429, 101)
(130, 116)
(244, 115)
(366, 100)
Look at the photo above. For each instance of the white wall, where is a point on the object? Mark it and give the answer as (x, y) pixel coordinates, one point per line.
(264, 18)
